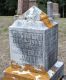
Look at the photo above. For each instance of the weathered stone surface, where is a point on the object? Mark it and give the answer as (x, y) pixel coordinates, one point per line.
(53, 9)
(50, 9)
(56, 10)
(32, 42)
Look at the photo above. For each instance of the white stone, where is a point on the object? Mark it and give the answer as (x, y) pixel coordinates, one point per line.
(32, 42)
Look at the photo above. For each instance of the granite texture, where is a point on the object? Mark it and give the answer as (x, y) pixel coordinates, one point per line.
(50, 9)
(33, 46)
(32, 42)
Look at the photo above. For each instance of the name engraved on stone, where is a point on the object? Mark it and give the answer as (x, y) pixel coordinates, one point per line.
(30, 44)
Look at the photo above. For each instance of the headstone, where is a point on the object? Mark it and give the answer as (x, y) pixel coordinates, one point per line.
(32, 42)
(32, 3)
(34, 48)
(23, 6)
(50, 9)
(53, 9)
(56, 10)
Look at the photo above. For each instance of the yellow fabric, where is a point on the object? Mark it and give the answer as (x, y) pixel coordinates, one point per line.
(46, 21)
(9, 75)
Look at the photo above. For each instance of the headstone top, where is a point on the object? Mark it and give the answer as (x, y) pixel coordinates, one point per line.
(36, 14)
(31, 25)
(34, 17)
(32, 13)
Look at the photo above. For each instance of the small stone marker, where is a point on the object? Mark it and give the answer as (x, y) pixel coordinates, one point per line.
(56, 10)
(53, 10)
(50, 9)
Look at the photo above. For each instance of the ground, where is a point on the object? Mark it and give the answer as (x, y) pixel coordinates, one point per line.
(5, 22)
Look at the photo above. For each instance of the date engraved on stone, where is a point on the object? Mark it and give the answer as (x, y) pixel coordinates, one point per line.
(30, 44)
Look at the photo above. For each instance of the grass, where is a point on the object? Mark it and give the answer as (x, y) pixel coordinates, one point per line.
(5, 22)
(5, 29)
(62, 25)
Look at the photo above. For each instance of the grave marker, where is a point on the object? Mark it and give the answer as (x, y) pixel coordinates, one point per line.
(32, 42)
(50, 9)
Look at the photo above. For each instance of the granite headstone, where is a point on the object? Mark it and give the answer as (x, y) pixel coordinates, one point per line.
(50, 9)
(56, 10)
(32, 42)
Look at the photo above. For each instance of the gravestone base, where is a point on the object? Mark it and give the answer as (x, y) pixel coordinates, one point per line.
(55, 73)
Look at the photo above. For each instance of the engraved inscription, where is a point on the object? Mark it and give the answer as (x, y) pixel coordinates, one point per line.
(30, 44)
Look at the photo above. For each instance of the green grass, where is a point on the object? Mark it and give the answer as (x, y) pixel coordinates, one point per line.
(5, 22)
(62, 25)
(5, 29)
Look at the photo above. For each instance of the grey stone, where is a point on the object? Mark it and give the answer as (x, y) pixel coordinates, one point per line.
(32, 42)
(57, 71)
(35, 47)
(53, 10)
(50, 9)
(56, 10)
